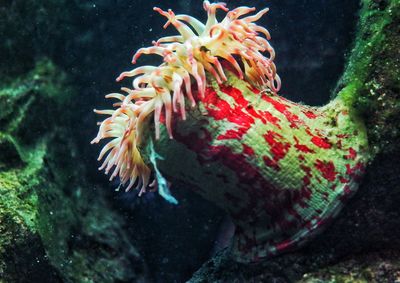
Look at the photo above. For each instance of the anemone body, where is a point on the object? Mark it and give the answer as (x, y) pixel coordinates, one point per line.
(281, 170)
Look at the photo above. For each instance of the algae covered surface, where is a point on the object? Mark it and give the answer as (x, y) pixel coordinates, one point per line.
(374, 267)
(20, 173)
(49, 232)
(371, 79)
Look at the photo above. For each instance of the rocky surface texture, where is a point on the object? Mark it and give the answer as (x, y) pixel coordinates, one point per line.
(372, 267)
(61, 222)
(54, 226)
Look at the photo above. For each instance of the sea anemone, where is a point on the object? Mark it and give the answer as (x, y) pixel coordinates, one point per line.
(187, 58)
(282, 170)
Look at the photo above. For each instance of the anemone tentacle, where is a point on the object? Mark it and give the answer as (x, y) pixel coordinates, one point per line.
(197, 50)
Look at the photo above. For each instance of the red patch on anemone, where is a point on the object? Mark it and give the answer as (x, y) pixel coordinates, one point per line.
(327, 169)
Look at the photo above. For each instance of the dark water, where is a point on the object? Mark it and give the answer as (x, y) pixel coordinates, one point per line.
(93, 41)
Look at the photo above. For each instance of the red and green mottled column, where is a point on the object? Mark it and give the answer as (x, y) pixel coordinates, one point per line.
(281, 170)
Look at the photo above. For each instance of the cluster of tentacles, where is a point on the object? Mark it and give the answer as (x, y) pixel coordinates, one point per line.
(198, 49)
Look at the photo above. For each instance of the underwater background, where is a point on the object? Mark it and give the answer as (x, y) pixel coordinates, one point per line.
(61, 220)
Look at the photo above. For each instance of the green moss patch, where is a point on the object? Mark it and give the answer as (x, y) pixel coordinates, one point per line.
(371, 82)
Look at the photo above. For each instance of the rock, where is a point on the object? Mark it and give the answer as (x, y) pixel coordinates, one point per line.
(374, 267)
(54, 226)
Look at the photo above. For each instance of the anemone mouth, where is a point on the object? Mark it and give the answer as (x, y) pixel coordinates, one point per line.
(165, 90)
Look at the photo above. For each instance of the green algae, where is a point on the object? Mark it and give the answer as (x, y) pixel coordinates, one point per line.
(373, 267)
(19, 170)
(371, 81)
(52, 226)
(20, 164)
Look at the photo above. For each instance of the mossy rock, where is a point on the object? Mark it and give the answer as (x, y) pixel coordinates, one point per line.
(53, 226)
(374, 267)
